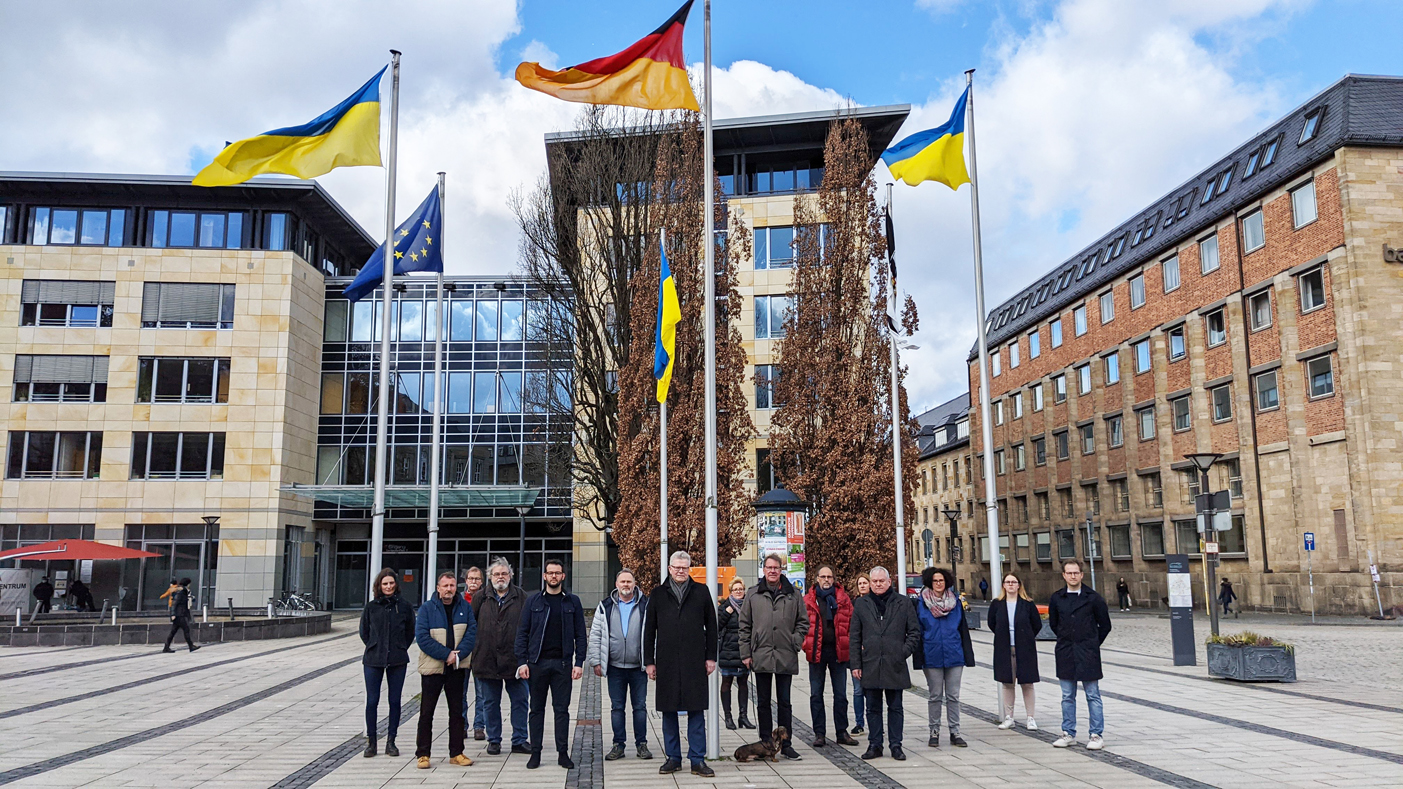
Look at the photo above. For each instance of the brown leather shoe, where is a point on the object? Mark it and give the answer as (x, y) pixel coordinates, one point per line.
(423, 762)
(461, 760)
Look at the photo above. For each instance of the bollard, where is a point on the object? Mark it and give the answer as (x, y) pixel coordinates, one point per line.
(231, 609)
(114, 614)
(270, 610)
(204, 614)
(19, 621)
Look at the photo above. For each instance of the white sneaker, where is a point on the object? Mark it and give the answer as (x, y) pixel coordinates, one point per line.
(1007, 723)
(1095, 743)
(1032, 725)
(1064, 741)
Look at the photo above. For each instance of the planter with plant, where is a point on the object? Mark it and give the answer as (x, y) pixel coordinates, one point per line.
(1250, 657)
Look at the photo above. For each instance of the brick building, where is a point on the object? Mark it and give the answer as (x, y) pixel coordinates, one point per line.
(944, 480)
(1251, 311)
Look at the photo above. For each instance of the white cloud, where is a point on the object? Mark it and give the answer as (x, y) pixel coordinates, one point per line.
(751, 88)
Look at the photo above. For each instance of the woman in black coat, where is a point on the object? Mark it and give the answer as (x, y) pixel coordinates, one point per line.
(387, 630)
(1014, 618)
(732, 667)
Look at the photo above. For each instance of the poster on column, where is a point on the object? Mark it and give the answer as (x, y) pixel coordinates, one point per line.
(794, 549)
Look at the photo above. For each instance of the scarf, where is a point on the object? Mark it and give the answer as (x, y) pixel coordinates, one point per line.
(882, 599)
(736, 601)
(939, 605)
(828, 601)
(678, 590)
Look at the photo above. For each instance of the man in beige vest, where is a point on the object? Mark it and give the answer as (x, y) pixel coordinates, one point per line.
(446, 632)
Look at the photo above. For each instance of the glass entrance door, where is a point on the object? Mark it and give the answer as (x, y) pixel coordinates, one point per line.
(186, 564)
(407, 558)
(155, 576)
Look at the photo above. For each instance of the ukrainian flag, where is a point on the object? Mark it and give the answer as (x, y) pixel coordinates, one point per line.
(665, 339)
(347, 135)
(934, 154)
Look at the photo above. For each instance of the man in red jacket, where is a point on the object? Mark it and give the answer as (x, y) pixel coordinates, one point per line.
(826, 647)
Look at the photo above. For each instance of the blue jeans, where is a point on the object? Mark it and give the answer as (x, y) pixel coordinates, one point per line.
(479, 706)
(492, 702)
(1093, 706)
(839, 674)
(696, 737)
(859, 703)
(632, 682)
(373, 676)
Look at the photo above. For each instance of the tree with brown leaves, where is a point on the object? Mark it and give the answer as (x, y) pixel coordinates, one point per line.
(831, 436)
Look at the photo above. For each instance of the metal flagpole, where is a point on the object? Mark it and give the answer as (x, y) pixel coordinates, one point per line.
(896, 421)
(991, 502)
(662, 418)
(713, 715)
(435, 451)
(382, 417)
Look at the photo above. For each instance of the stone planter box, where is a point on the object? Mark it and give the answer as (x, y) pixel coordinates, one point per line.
(1251, 664)
(155, 631)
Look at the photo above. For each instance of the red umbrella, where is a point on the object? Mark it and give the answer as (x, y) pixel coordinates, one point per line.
(73, 550)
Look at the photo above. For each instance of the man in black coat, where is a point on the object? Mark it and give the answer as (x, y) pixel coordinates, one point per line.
(551, 642)
(44, 593)
(180, 616)
(497, 609)
(679, 652)
(884, 632)
(1081, 620)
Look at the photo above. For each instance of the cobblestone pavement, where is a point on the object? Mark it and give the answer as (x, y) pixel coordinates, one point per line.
(289, 713)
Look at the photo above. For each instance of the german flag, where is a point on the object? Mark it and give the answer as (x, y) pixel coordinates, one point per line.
(651, 74)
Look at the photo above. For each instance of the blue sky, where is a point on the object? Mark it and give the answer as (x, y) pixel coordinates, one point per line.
(1087, 110)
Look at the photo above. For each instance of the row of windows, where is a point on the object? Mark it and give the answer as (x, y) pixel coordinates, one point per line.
(83, 379)
(1039, 546)
(77, 455)
(164, 305)
(930, 483)
(533, 465)
(485, 320)
(483, 392)
(166, 228)
(1258, 159)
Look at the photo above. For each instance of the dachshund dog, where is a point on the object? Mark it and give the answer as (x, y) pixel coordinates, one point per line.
(764, 750)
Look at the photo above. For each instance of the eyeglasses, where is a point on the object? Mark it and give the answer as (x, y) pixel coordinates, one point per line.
(555, 572)
(679, 566)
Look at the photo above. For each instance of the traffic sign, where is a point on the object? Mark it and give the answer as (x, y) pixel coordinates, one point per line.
(1374, 572)
(1210, 547)
(1310, 540)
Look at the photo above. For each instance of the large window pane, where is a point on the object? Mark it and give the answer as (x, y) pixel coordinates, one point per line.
(509, 393)
(411, 321)
(39, 461)
(94, 227)
(484, 393)
(762, 317)
(234, 235)
(40, 235)
(329, 465)
(508, 465)
(461, 321)
(486, 321)
(194, 455)
(407, 393)
(357, 393)
(405, 465)
(65, 228)
(182, 229)
(170, 375)
(362, 322)
(211, 230)
(199, 381)
(512, 327)
(164, 447)
(459, 393)
(781, 246)
(483, 465)
(337, 317)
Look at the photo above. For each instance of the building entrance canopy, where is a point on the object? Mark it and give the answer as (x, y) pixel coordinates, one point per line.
(417, 496)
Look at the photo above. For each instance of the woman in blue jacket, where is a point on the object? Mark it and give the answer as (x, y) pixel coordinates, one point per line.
(945, 650)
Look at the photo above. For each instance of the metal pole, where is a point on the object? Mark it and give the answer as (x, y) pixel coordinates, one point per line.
(435, 451)
(1310, 569)
(1091, 551)
(1210, 563)
(991, 502)
(1373, 576)
(521, 549)
(662, 509)
(953, 546)
(382, 417)
(896, 424)
(713, 715)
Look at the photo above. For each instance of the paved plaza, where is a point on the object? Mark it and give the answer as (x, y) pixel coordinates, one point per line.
(289, 714)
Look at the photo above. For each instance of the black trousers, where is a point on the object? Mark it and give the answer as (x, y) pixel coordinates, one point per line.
(782, 685)
(896, 716)
(44, 606)
(451, 683)
(551, 676)
(180, 623)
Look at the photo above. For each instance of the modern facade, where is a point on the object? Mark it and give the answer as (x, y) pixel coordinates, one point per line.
(159, 354)
(763, 164)
(1251, 312)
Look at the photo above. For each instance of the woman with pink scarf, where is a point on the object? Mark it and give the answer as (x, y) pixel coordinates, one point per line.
(946, 650)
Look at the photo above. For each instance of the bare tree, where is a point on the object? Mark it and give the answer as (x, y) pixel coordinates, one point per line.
(680, 209)
(831, 436)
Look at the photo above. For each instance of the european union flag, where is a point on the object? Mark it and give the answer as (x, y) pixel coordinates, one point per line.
(417, 244)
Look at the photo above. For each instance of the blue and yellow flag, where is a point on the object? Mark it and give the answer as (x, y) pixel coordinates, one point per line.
(934, 154)
(665, 339)
(347, 135)
(417, 244)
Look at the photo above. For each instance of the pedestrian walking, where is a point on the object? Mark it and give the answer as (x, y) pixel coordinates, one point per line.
(1226, 596)
(862, 585)
(1014, 618)
(446, 632)
(180, 616)
(168, 595)
(498, 612)
(1081, 620)
(551, 643)
(733, 670)
(472, 584)
(885, 632)
(44, 593)
(387, 630)
(679, 652)
(1123, 592)
(616, 652)
(983, 589)
(830, 614)
(946, 650)
(773, 623)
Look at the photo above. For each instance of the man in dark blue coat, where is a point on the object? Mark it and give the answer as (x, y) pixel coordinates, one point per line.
(446, 632)
(1081, 620)
(551, 643)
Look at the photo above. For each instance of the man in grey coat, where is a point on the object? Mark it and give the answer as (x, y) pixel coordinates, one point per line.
(616, 652)
(773, 622)
(885, 632)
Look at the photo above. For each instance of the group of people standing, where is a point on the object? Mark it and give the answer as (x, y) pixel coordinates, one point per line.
(534, 647)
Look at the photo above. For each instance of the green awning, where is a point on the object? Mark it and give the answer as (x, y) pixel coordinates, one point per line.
(417, 496)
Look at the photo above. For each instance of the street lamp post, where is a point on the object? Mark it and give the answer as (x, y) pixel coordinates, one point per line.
(953, 514)
(1203, 461)
(1091, 550)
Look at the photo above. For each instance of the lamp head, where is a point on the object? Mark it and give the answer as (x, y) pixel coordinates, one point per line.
(1203, 460)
